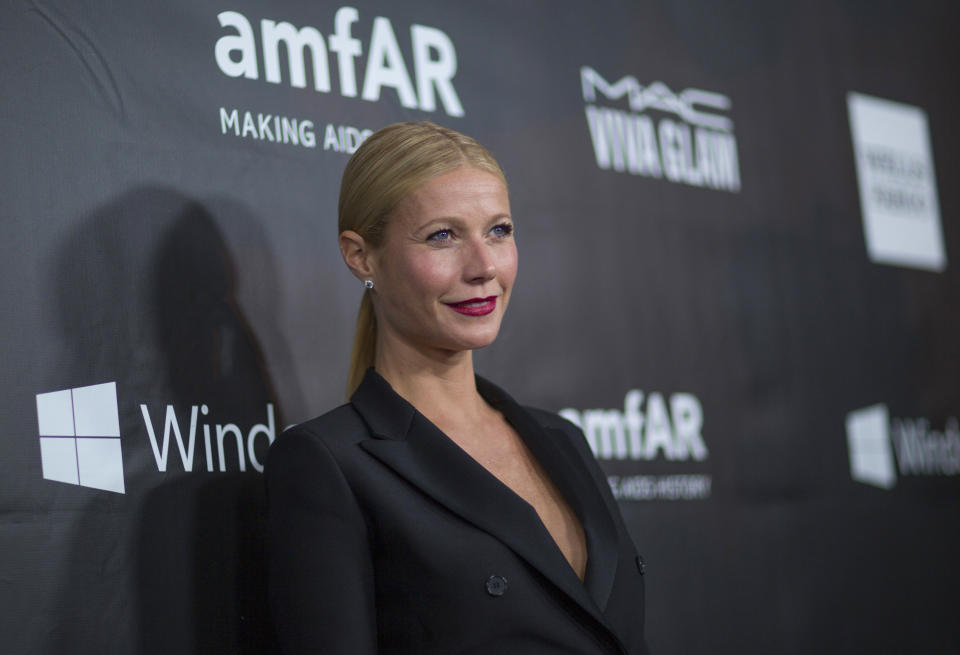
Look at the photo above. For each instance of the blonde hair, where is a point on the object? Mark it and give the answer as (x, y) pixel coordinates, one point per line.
(388, 166)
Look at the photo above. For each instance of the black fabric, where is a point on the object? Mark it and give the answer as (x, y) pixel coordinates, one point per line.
(384, 533)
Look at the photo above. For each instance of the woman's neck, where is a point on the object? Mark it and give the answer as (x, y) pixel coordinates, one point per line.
(440, 384)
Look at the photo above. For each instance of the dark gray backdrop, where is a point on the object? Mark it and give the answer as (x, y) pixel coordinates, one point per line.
(142, 245)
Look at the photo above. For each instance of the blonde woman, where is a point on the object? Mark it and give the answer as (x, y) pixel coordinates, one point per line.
(432, 513)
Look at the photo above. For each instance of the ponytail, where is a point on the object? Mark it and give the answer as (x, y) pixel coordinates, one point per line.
(364, 344)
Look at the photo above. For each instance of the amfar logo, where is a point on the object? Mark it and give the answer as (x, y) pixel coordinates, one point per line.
(872, 438)
(672, 430)
(434, 59)
(897, 183)
(80, 437)
(696, 146)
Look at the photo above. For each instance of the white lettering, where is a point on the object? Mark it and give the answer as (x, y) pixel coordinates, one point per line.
(307, 137)
(434, 59)
(659, 432)
(633, 421)
(275, 129)
(229, 120)
(223, 431)
(206, 439)
(249, 128)
(700, 150)
(385, 66)
(296, 41)
(289, 128)
(347, 48)
(606, 435)
(354, 139)
(663, 487)
(330, 140)
(674, 431)
(269, 430)
(727, 161)
(244, 450)
(435, 73)
(209, 449)
(171, 425)
(687, 423)
(263, 122)
(242, 42)
(659, 96)
(670, 147)
(922, 451)
(627, 142)
(344, 138)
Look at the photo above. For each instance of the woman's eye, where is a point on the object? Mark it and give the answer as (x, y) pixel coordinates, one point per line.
(440, 235)
(503, 230)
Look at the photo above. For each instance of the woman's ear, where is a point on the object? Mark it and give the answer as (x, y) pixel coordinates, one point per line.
(357, 255)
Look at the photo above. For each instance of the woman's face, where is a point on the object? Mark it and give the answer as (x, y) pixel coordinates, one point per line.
(447, 263)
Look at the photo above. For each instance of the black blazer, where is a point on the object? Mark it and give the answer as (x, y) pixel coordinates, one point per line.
(385, 537)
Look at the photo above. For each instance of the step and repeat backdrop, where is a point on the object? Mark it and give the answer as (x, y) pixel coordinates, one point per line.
(739, 247)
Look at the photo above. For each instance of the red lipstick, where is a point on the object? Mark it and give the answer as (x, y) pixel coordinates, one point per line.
(474, 306)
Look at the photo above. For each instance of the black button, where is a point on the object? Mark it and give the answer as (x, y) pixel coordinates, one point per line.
(641, 565)
(496, 585)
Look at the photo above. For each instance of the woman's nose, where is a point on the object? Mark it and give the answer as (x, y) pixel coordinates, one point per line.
(480, 264)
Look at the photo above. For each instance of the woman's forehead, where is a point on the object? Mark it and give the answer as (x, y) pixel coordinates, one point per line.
(465, 191)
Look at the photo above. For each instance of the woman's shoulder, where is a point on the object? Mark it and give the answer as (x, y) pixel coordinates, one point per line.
(340, 423)
(548, 419)
(327, 433)
(503, 401)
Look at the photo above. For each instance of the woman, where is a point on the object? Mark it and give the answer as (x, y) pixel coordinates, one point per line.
(432, 513)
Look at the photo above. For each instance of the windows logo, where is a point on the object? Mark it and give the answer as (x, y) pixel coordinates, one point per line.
(868, 442)
(80, 437)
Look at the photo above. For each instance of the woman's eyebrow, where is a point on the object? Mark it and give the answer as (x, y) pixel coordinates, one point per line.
(451, 221)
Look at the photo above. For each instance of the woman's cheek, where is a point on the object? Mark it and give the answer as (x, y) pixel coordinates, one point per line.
(433, 272)
(507, 266)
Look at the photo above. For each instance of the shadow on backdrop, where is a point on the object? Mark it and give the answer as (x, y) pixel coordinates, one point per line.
(147, 294)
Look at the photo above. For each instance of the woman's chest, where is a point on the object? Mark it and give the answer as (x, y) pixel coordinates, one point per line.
(506, 457)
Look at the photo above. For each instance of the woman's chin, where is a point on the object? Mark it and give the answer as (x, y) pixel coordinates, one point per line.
(473, 341)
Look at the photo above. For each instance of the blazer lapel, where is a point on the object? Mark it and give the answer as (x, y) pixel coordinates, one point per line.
(553, 449)
(418, 451)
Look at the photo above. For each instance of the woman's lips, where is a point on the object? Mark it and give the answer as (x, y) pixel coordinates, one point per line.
(474, 306)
